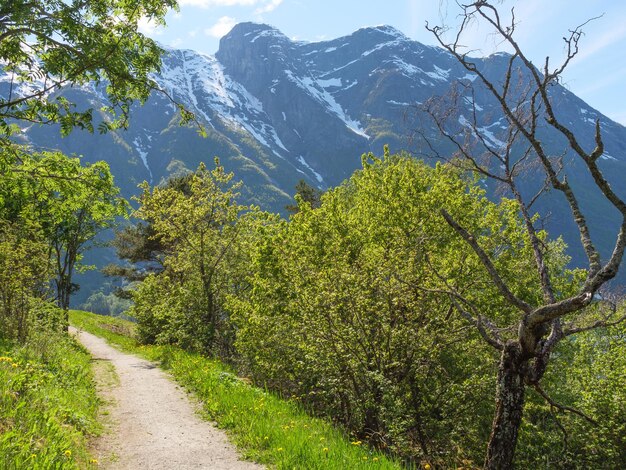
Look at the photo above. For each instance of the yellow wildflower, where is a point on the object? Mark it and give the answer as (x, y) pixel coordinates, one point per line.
(325, 449)
(68, 453)
(375, 459)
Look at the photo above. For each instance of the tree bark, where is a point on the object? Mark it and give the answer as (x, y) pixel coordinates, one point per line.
(510, 391)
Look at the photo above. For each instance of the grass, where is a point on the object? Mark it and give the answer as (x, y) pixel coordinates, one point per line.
(48, 404)
(267, 429)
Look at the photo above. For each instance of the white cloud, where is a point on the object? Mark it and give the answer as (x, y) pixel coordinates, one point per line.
(222, 27)
(149, 27)
(216, 3)
(268, 7)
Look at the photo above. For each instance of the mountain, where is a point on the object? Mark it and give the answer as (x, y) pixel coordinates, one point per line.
(277, 110)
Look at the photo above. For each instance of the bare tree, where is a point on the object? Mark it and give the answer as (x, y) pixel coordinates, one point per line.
(523, 93)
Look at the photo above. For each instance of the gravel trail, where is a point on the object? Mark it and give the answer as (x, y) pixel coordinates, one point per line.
(152, 422)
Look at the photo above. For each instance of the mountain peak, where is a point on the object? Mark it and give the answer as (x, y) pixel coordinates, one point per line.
(378, 34)
(384, 29)
(250, 32)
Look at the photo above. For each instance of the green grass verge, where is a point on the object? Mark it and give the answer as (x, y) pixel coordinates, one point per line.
(266, 428)
(48, 404)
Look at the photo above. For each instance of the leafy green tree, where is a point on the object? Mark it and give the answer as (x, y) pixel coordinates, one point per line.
(141, 247)
(45, 46)
(106, 304)
(68, 202)
(200, 229)
(307, 193)
(25, 270)
(80, 210)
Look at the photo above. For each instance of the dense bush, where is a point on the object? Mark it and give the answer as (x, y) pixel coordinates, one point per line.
(350, 308)
(346, 308)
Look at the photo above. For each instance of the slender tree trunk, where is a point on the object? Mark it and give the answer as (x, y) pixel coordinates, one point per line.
(63, 299)
(510, 391)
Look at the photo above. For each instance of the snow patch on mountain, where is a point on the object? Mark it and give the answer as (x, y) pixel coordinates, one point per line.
(484, 131)
(439, 74)
(305, 164)
(317, 92)
(271, 32)
(204, 86)
(472, 104)
(410, 70)
(384, 45)
(143, 154)
(330, 82)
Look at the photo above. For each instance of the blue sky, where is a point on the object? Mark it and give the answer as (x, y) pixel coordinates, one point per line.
(597, 75)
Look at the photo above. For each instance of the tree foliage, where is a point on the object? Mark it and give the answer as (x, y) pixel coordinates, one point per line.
(51, 206)
(58, 204)
(348, 309)
(370, 309)
(307, 193)
(48, 44)
(199, 225)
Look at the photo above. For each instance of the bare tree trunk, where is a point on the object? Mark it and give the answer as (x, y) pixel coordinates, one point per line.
(510, 391)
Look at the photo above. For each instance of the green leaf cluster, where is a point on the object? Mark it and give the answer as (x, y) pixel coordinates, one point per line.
(46, 45)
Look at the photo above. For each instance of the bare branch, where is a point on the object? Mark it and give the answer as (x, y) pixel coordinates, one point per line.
(486, 261)
(605, 322)
(542, 84)
(489, 332)
(540, 391)
(479, 323)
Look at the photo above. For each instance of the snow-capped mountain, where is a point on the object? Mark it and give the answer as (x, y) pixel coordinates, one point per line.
(277, 110)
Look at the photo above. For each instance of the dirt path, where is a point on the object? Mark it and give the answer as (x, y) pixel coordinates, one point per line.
(153, 423)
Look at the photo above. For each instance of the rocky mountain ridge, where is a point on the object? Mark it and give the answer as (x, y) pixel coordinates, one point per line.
(276, 111)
